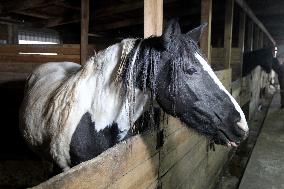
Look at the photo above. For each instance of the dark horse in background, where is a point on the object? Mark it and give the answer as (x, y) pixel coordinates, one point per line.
(72, 113)
(260, 57)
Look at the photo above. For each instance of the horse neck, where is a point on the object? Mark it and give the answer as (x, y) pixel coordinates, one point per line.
(110, 103)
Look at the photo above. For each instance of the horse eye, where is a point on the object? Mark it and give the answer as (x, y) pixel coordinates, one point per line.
(191, 71)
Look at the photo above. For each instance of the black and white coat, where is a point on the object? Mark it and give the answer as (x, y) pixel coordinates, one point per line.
(71, 113)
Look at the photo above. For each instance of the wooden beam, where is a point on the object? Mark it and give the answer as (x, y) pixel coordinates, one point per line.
(229, 16)
(17, 5)
(60, 49)
(153, 17)
(206, 16)
(249, 39)
(250, 13)
(12, 34)
(124, 7)
(61, 21)
(241, 44)
(33, 14)
(255, 37)
(84, 30)
(261, 39)
(118, 24)
(66, 5)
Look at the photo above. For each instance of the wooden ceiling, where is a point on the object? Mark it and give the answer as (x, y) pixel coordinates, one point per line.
(105, 15)
(124, 17)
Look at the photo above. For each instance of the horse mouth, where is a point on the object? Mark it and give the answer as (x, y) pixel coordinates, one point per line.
(225, 139)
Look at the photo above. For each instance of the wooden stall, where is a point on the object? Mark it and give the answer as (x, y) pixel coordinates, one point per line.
(183, 160)
(171, 156)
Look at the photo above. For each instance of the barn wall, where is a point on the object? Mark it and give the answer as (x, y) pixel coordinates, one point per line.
(183, 161)
(217, 61)
(3, 32)
(15, 66)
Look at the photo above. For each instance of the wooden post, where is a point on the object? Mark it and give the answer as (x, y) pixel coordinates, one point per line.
(249, 41)
(241, 45)
(261, 39)
(206, 16)
(153, 18)
(12, 34)
(229, 16)
(84, 30)
(249, 12)
(255, 37)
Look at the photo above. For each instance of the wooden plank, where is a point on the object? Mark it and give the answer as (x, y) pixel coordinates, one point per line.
(84, 31)
(255, 38)
(141, 177)
(241, 45)
(153, 18)
(229, 16)
(217, 58)
(171, 125)
(18, 67)
(197, 178)
(250, 13)
(62, 49)
(242, 29)
(176, 146)
(30, 13)
(207, 170)
(245, 93)
(184, 169)
(60, 21)
(261, 45)
(11, 76)
(249, 39)
(236, 90)
(11, 6)
(206, 17)
(111, 166)
(4, 59)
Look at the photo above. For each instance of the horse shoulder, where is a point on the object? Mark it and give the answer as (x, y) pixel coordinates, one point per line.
(40, 85)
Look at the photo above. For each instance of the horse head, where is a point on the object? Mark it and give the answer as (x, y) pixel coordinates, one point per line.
(260, 57)
(185, 86)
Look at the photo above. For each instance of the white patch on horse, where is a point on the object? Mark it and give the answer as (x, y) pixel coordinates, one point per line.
(91, 88)
(242, 123)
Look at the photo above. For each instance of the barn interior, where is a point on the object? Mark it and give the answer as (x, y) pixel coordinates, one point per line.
(33, 32)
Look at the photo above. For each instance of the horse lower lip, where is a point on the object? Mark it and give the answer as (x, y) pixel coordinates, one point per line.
(229, 142)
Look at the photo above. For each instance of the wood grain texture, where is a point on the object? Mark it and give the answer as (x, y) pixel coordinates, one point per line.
(206, 17)
(153, 18)
(229, 16)
(61, 49)
(84, 31)
(131, 157)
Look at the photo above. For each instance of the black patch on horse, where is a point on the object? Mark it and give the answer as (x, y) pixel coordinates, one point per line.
(87, 143)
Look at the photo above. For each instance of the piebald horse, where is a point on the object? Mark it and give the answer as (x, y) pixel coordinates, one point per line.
(72, 113)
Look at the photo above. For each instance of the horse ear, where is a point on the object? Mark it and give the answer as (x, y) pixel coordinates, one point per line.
(196, 33)
(172, 28)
